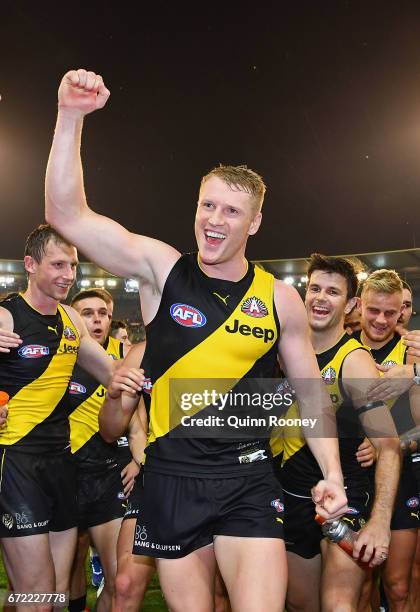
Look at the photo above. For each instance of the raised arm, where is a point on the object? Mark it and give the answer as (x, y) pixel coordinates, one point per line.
(297, 355)
(101, 239)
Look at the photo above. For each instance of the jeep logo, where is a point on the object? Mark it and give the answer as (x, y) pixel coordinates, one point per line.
(246, 330)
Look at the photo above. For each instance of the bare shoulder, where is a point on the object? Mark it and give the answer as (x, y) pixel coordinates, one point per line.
(74, 317)
(160, 257)
(359, 364)
(289, 305)
(6, 319)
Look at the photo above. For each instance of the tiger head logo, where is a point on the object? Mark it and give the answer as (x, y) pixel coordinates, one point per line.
(7, 520)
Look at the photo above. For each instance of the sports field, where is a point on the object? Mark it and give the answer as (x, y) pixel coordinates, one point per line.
(153, 601)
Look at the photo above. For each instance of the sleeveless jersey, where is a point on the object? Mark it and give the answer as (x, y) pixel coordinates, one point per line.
(393, 353)
(36, 375)
(300, 471)
(213, 329)
(84, 399)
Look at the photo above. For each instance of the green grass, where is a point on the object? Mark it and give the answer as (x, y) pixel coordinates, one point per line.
(153, 601)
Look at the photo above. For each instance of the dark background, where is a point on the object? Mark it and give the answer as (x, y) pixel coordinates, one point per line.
(321, 98)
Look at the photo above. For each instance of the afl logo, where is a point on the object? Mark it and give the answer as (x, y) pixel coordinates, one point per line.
(276, 503)
(69, 334)
(254, 307)
(352, 510)
(76, 388)
(147, 386)
(187, 316)
(33, 351)
(329, 375)
(413, 502)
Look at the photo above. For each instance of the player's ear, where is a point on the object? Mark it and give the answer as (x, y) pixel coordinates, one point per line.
(30, 264)
(352, 303)
(255, 224)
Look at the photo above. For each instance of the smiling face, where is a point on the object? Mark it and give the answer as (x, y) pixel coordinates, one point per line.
(94, 312)
(326, 300)
(55, 273)
(380, 313)
(225, 218)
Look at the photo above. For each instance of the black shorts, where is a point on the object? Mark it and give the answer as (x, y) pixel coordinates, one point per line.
(415, 466)
(37, 493)
(303, 534)
(133, 500)
(407, 503)
(100, 497)
(180, 514)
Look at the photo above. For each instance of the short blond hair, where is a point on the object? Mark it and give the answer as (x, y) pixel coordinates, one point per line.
(383, 281)
(242, 178)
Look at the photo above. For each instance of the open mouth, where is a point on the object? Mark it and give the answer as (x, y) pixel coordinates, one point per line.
(214, 238)
(320, 311)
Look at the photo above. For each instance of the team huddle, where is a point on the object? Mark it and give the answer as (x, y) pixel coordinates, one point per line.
(93, 449)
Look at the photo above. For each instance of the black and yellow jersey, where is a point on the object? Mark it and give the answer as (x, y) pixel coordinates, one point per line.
(223, 331)
(36, 376)
(393, 353)
(300, 470)
(84, 400)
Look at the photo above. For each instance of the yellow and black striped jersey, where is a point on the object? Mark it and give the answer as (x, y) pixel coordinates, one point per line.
(84, 400)
(300, 470)
(393, 353)
(206, 328)
(36, 376)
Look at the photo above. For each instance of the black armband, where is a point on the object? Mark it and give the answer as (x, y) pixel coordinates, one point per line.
(369, 406)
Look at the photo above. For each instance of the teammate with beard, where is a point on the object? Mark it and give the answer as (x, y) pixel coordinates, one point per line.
(381, 308)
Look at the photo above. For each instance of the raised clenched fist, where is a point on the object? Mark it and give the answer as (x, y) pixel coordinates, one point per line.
(82, 91)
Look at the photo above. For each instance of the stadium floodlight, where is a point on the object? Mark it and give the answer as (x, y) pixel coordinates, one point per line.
(289, 280)
(111, 282)
(304, 279)
(362, 276)
(131, 285)
(99, 282)
(84, 283)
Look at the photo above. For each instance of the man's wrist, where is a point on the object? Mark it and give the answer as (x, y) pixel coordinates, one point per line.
(70, 117)
(380, 516)
(334, 476)
(138, 463)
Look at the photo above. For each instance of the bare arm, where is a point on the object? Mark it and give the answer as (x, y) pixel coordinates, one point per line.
(138, 429)
(8, 339)
(137, 441)
(297, 355)
(118, 407)
(113, 247)
(358, 371)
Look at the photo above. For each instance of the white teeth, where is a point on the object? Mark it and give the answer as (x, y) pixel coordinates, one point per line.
(215, 235)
